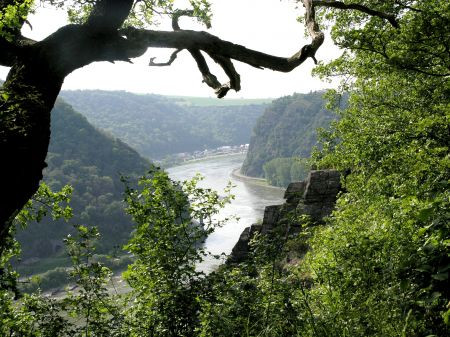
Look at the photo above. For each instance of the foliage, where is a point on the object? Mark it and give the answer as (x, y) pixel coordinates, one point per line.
(144, 13)
(172, 221)
(89, 311)
(157, 126)
(92, 163)
(43, 201)
(287, 129)
(282, 171)
(381, 267)
(12, 17)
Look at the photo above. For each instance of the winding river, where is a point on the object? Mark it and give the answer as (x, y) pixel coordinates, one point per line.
(248, 205)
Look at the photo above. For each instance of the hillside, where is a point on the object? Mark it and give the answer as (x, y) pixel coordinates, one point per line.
(157, 126)
(92, 162)
(286, 129)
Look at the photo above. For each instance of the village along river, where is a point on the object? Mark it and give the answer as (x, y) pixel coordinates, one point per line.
(250, 199)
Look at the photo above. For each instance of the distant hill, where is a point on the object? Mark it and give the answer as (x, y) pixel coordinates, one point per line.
(157, 126)
(92, 162)
(286, 129)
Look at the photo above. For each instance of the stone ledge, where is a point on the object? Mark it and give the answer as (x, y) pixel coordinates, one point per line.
(315, 197)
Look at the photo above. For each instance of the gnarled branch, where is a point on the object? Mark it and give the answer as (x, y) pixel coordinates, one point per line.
(164, 64)
(223, 51)
(210, 79)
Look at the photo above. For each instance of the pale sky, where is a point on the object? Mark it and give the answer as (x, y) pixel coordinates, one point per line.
(266, 25)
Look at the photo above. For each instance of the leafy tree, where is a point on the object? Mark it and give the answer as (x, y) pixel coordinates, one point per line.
(172, 222)
(381, 268)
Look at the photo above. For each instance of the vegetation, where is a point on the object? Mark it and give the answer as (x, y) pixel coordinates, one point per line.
(92, 163)
(282, 171)
(287, 129)
(171, 221)
(378, 266)
(157, 126)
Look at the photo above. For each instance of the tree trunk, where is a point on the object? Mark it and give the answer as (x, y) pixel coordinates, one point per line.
(27, 98)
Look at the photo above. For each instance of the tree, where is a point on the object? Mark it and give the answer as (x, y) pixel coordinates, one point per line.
(381, 265)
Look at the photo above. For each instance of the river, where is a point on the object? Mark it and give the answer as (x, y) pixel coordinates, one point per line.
(248, 205)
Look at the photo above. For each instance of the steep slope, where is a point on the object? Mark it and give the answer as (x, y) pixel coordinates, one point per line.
(287, 128)
(92, 162)
(158, 126)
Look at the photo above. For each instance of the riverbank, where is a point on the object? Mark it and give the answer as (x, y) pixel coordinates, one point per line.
(236, 174)
(192, 161)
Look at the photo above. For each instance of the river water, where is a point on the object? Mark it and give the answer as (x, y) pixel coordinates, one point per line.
(248, 205)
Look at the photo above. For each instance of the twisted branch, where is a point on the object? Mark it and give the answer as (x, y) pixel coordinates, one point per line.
(222, 52)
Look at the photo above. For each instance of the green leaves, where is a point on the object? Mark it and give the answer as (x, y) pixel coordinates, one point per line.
(44, 201)
(282, 171)
(12, 17)
(384, 255)
(172, 221)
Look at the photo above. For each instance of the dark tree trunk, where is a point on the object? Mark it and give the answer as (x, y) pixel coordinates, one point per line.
(28, 96)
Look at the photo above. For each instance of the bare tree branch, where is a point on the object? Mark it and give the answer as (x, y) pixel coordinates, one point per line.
(210, 79)
(223, 51)
(233, 75)
(340, 5)
(164, 64)
(188, 39)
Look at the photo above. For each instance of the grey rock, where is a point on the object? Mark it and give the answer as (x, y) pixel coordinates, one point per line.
(315, 197)
(241, 249)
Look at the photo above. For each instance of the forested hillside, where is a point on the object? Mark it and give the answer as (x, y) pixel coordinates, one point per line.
(92, 162)
(156, 126)
(287, 129)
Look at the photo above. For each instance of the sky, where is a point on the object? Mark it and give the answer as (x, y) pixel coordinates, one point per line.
(269, 26)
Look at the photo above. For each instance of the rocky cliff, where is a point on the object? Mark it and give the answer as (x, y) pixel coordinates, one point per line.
(314, 197)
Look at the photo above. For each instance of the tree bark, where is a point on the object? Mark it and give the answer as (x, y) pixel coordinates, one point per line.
(28, 97)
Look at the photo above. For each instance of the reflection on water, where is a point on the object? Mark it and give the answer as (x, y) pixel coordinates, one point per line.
(248, 206)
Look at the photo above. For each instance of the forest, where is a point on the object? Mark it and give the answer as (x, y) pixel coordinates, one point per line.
(285, 136)
(92, 163)
(158, 126)
(288, 128)
(377, 266)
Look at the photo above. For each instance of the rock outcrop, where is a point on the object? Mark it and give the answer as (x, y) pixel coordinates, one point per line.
(314, 197)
